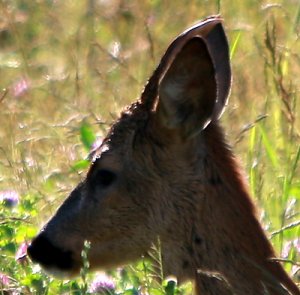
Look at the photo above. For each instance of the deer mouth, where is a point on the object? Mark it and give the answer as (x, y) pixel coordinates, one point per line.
(53, 260)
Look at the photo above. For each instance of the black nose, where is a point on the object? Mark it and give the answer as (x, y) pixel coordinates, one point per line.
(42, 251)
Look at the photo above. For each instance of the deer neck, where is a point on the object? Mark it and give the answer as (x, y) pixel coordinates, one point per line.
(217, 239)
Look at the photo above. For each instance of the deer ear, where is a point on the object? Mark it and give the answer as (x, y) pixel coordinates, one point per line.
(193, 79)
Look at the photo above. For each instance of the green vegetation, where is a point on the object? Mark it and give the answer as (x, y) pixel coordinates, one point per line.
(67, 68)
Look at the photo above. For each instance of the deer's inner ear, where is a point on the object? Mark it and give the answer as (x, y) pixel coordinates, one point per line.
(188, 90)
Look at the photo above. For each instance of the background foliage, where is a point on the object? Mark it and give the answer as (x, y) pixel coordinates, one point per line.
(67, 68)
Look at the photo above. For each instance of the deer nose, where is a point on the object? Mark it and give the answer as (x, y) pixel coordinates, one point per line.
(42, 251)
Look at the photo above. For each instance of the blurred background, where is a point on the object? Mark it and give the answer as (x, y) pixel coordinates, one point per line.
(67, 69)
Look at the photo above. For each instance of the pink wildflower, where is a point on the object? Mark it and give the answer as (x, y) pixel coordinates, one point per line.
(289, 245)
(102, 284)
(296, 244)
(286, 249)
(4, 280)
(9, 198)
(20, 87)
(21, 255)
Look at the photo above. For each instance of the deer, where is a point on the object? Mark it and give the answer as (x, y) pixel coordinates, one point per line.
(165, 170)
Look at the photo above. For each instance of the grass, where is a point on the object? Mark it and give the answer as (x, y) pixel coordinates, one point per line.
(67, 68)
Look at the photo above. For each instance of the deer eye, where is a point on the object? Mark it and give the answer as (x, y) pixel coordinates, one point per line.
(105, 178)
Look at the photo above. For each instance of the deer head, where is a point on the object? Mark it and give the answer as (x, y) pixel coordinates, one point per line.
(164, 171)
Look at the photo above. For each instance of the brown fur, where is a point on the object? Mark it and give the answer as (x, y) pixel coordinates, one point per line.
(164, 170)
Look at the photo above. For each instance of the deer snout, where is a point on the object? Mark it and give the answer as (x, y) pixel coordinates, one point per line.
(49, 256)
